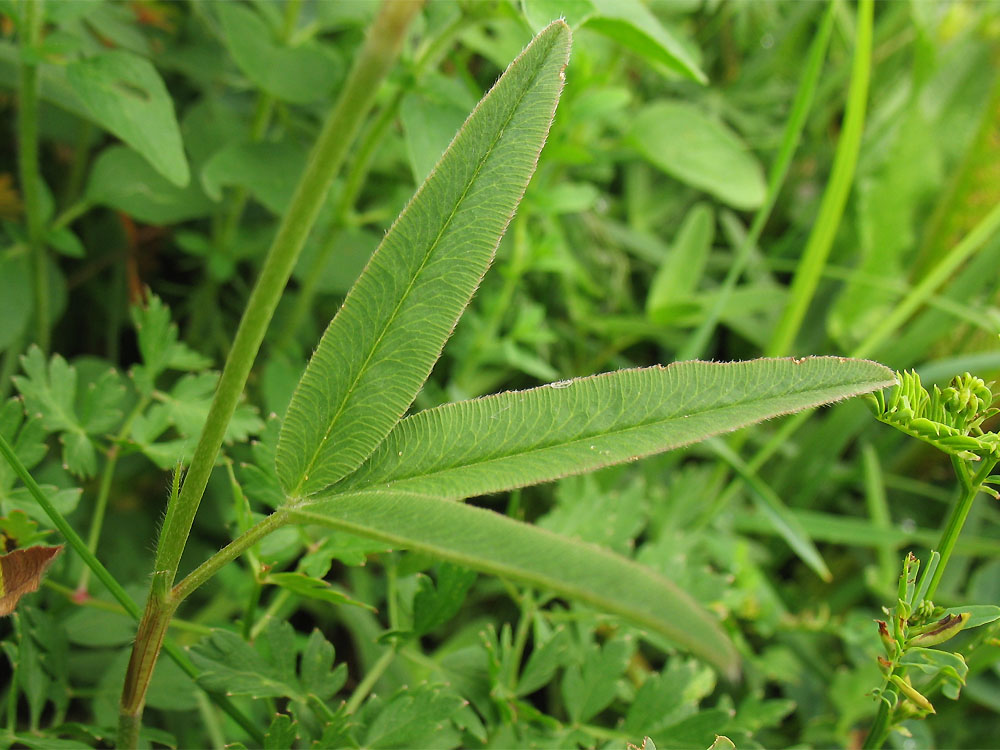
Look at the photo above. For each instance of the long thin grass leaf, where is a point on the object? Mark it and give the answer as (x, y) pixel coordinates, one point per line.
(790, 137)
(776, 511)
(838, 187)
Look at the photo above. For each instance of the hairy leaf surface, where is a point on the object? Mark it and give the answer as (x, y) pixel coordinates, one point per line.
(381, 346)
(490, 542)
(520, 438)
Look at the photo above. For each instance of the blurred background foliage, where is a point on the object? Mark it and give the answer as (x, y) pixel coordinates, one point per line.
(643, 199)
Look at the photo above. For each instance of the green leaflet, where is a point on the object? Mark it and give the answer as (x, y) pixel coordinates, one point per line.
(303, 72)
(520, 438)
(700, 152)
(403, 494)
(628, 22)
(125, 95)
(493, 543)
(381, 346)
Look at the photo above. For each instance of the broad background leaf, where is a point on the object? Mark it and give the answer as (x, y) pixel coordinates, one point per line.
(123, 180)
(702, 152)
(628, 22)
(677, 278)
(15, 298)
(381, 346)
(125, 95)
(303, 73)
(268, 171)
(430, 116)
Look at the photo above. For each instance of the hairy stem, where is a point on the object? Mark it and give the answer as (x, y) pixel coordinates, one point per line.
(226, 555)
(103, 575)
(376, 58)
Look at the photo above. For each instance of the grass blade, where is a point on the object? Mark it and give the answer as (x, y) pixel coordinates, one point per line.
(776, 512)
(790, 137)
(837, 189)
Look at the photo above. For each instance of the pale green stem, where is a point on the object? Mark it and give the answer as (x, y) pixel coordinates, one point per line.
(210, 720)
(374, 62)
(250, 610)
(971, 486)
(104, 490)
(378, 668)
(835, 196)
(521, 637)
(106, 606)
(71, 214)
(878, 511)
(244, 519)
(275, 610)
(31, 185)
(371, 677)
(227, 554)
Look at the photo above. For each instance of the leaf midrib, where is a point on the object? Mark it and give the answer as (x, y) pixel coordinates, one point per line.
(423, 264)
(564, 444)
